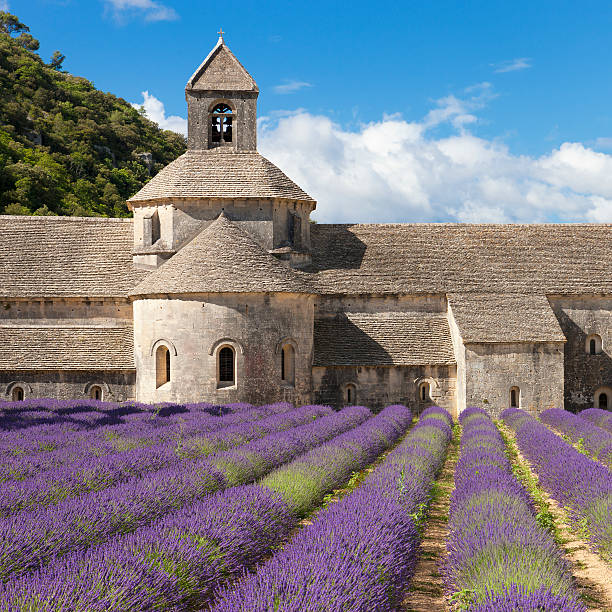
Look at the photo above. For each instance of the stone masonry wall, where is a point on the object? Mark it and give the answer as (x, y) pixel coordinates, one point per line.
(196, 326)
(580, 317)
(535, 368)
(116, 386)
(377, 387)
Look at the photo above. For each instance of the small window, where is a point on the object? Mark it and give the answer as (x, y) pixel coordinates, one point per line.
(18, 394)
(515, 397)
(424, 392)
(226, 367)
(288, 364)
(96, 392)
(350, 394)
(221, 124)
(162, 365)
(593, 344)
(603, 401)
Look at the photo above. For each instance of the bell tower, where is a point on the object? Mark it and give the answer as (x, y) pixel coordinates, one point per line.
(222, 104)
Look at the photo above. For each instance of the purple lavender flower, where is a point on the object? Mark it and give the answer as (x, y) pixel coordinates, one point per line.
(496, 551)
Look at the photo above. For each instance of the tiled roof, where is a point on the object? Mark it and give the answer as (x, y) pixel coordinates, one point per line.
(66, 348)
(505, 318)
(222, 258)
(220, 174)
(66, 256)
(384, 338)
(462, 258)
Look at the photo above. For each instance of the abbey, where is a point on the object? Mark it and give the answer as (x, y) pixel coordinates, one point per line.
(221, 289)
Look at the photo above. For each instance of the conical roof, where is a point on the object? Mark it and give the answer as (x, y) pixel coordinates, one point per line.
(222, 71)
(215, 174)
(222, 258)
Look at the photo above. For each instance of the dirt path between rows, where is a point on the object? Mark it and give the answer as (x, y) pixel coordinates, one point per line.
(593, 575)
(426, 592)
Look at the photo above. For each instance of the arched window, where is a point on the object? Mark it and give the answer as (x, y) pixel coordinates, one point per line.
(221, 124)
(288, 364)
(515, 397)
(96, 392)
(162, 365)
(226, 369)
(603, 401)
(17, 394)
(350, 394)
(424, 392)
(593, 344)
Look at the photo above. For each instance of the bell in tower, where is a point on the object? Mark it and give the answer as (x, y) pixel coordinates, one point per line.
(222, 103)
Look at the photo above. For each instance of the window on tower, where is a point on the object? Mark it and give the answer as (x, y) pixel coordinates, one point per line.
(221, 124)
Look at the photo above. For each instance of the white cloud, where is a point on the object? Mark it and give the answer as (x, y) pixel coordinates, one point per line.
(4, 5)
(155, 111)
(151, 10)
(519, 63)
(290, 87)
(393, 170)
(396, 170)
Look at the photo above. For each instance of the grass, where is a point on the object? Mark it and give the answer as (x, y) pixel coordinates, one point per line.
(522, 471)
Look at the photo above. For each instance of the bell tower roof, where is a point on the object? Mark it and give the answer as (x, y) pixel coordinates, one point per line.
(221, 71)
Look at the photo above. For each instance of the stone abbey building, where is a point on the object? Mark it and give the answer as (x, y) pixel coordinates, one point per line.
(220, 289)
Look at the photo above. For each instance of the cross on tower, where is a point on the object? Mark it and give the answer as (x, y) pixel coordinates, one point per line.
(221, 32)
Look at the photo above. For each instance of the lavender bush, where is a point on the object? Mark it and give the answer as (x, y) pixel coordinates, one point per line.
(581, 485)
(594, 439)
(359, 553)
(499, 558)
(31, 538)
(178, 562)
(96, 473)
(601, 418)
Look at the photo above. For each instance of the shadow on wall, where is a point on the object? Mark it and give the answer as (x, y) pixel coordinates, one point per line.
(584, 373)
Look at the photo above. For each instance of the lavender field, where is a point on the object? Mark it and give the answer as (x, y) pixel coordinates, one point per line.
(280, 508)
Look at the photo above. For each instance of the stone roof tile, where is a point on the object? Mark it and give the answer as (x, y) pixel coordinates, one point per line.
(66, 348)
(66, 256)
(383, 338)
(220, 174)
(222, 258)
(445, 258)
(505, 318)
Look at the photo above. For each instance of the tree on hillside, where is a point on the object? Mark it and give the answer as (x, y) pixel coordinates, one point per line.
(10, 24)
(57, 59)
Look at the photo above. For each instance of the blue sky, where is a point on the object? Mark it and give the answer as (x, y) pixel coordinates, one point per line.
(466, 110)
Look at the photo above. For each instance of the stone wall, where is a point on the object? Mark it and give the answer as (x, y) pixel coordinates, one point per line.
(459, 349)
(117, 386)
(380, 386)
(267, 221)
(580, 317)
(194, 328)
(491, 370)
(199, 106)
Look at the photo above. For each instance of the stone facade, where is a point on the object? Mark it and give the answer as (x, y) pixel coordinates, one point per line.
(220, 289)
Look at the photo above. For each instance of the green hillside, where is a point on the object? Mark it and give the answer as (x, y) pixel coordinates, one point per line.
(65, 147)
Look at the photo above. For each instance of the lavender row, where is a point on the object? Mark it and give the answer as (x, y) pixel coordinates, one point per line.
(30, 539)
(497, 552)
(97, 473)
(595, 440)
(578, 483)
(178, 562)
(599, 417)
(132, 429)
(359, 553)
(85, 450)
